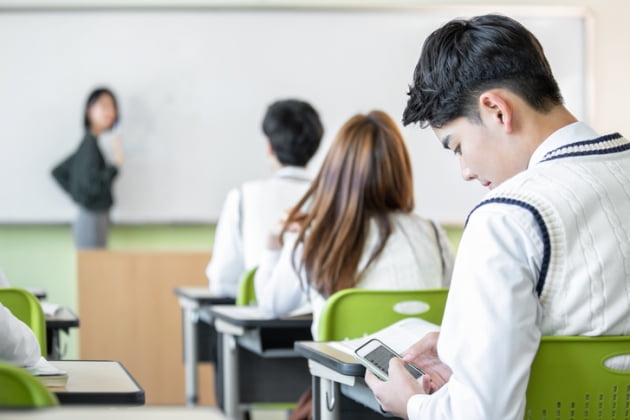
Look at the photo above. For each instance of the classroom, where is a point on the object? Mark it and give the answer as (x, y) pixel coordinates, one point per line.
(191, 82)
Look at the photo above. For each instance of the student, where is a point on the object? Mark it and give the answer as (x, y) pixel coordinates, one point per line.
(358, 229)
(294, 132)
(18, 344)
(87, 177)
(545, 253)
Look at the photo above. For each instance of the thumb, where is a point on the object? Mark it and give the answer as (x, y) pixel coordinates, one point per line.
(427, 384)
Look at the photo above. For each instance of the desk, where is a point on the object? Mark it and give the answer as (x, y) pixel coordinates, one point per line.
(330, 369)
(38, 292)
(97, 382)
(191, 300)
(268, 355)
(63, 320)
(118, 413)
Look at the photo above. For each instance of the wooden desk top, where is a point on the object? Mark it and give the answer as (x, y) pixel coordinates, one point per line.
(201, 295)
(97, 382)
(251, 317)
(65, 318)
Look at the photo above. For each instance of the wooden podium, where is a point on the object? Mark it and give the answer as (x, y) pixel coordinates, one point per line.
(129, 313)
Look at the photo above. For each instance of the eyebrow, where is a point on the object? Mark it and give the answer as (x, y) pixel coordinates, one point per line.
(445, 141)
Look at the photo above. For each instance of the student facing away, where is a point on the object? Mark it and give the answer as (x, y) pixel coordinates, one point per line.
(87, 176)
(357, 229)
(18, 344)
(294, 132)
(546, 251)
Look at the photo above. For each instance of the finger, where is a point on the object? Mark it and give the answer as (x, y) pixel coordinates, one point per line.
(396, 364)
(427, 384)
(408, 356)
(371, 380)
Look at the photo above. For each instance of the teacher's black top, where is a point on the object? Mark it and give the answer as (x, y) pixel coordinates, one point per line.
(86, 176)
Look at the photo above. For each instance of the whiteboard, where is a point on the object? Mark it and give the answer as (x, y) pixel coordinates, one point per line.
(193, 86)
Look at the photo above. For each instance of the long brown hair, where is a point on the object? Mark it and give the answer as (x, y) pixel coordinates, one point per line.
(365, 175)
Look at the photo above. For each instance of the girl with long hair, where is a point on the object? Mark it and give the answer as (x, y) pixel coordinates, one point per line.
(354, 227)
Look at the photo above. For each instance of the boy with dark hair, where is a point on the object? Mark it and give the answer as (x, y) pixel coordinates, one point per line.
(547, 250)
(294, 132)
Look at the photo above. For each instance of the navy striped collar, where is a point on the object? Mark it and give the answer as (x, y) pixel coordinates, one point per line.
(611, 143)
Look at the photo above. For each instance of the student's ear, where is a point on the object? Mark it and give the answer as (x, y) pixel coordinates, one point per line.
(270, 149)
(496, 109)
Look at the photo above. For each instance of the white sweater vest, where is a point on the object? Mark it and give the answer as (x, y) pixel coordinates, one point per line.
(579, 195)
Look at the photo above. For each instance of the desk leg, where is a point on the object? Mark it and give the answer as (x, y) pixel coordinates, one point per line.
(326, 397)
(191, 318)
(230, 378)
(54, 345)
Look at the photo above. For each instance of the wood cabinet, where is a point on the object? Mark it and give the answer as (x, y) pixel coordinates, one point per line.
(128, 312)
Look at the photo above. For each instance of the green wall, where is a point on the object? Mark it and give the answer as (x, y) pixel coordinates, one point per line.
(44, 256)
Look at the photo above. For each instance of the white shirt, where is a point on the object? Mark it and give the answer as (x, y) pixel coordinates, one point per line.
(18, 344)
(492, 322)
(248, 214)
(414, 257)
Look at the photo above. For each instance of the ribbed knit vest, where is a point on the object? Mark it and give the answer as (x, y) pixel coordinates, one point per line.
(579, 195)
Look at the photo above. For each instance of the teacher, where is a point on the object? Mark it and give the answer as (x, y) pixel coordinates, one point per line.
(87, 176)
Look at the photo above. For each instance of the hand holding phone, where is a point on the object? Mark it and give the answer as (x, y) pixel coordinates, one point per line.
(375, 356)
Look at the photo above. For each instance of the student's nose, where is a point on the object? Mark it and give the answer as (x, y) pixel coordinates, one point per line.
(467, 174)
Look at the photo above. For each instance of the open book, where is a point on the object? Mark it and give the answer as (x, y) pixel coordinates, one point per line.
(50, 309)
(399, 336)
(48, 374)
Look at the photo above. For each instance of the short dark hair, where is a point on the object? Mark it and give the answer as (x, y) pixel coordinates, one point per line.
(294, 130)
(93, 97)
(463, 58)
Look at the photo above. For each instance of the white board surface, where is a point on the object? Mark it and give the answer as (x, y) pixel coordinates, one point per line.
(193, 86)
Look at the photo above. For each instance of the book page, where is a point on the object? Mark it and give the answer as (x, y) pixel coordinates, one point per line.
(43, 368)
(399, 336)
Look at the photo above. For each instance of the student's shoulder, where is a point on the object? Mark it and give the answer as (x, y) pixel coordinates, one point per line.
(411, 222)
(256, 183)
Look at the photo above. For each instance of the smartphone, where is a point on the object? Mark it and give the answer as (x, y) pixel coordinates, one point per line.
(375, 356)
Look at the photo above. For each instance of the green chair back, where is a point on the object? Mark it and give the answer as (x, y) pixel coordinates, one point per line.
(352, 313)
(246, 291)
(25, 306)
(20, 389)
(569, 380)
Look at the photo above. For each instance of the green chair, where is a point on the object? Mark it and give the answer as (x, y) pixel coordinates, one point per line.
(246, 291)
(25, 306)
(352, 313)
(20, 389)
(569, 380)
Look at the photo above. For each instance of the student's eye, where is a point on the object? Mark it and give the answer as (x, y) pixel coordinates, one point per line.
(457, 150)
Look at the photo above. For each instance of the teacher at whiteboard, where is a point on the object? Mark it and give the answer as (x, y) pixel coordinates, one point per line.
(87, 176)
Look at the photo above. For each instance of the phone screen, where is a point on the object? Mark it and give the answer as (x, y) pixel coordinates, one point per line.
(380, 356)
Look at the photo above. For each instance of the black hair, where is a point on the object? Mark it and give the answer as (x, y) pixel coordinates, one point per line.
(463, 58)
(93, 97)
(294, 130)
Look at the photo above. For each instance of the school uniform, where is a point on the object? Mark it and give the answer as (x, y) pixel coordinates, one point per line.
(18, 344)
(248, 215)
(87, 177)
(417, 255)
(545, 253)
